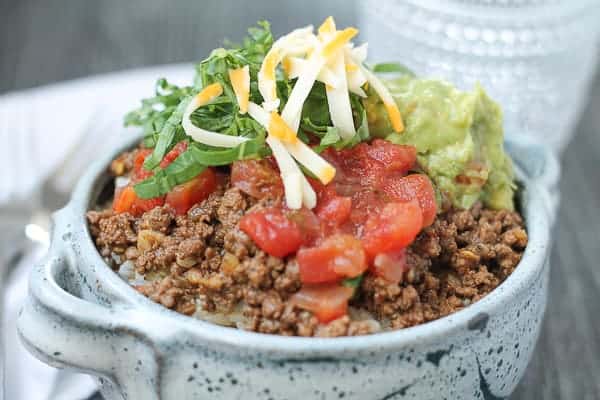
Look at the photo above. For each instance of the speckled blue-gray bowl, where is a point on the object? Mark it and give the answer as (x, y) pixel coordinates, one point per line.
(81, 315)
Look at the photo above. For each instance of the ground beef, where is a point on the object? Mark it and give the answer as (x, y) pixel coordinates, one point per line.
(114, 233)
(202, 264)
(158, 219)
(459, 259)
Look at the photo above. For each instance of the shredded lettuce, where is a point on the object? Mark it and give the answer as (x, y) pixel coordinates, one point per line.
(181, 170)
(161, 116)
(332, 136)
(155, 111)
(170, 131)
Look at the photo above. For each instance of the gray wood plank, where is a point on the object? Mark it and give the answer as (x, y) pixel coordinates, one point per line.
(43, 41)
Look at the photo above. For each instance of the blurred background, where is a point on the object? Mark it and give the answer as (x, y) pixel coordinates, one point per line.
(539, 60)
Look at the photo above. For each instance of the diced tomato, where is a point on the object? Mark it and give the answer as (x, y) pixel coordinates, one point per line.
(127, 201)
(394, 157)
(327, 302)
(334, 210)
(173, 154)
(183, 197)
(272, 231)
(258, 178)
(414, 186)
(365, 202)
(394, 228)
(308, 223)
(370, 198)
(140, 157)
(339, 256)
(124, 198)
(139, 172)
(315, 266)
(370, 164)
(390, 266)
(322, 191)
(353, 165)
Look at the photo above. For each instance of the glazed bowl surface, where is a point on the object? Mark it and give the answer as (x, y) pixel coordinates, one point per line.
(81, 315)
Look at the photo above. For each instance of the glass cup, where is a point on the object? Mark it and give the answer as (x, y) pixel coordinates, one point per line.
(535, 57)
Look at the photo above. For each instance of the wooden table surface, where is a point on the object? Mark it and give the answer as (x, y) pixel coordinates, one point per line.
(46, 41)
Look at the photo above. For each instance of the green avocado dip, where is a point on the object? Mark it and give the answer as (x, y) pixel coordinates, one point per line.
(458, 136)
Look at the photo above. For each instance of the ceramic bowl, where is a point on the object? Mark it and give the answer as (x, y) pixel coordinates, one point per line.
(81, 315)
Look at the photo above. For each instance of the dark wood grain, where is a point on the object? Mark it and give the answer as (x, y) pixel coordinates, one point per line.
(44, 41)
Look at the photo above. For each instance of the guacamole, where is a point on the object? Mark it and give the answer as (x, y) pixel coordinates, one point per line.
(458, 136)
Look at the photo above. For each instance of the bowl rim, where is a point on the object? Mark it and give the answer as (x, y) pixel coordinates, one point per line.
(527, 272)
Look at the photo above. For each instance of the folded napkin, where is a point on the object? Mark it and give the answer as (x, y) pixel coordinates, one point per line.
(54, 131)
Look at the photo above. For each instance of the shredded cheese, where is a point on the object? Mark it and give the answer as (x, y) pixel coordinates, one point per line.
(340, 38)
(292, 43)
(294, 67)
(356, 79)
(284, 150)
(311, 160)
(309, 197)
(386, 97)
(305, 82)
(359, 53)
(278, 128)
(338, 100)
(259, 114)
(210, 138)
(328, 27)
(240, 80)
(328, 57)
(272, 122)
(291, 175)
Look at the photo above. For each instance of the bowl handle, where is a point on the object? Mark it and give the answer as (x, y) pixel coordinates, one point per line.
(64, 330)
(540, 165)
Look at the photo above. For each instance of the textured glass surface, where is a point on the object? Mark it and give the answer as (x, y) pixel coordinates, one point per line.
(535, 57)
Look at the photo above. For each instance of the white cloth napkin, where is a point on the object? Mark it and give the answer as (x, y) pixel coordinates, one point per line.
(40, 130)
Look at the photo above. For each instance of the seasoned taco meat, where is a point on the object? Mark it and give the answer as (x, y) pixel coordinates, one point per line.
(202, 263)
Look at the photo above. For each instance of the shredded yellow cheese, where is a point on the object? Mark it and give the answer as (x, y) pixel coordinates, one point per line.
(208, 94)
(278, 128)
(395, 117)
(294, 43)
(388, 100)
(316, 164)
(328, 27)
(329, 57)
(338, 41)
(351, 67)
(240, 80)
(268, 67)
(287, 66)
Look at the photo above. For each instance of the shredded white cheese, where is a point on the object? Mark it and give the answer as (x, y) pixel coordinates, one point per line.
(210, 138)
(328, 57)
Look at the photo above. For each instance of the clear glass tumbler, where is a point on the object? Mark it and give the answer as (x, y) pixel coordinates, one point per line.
(535, 57)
